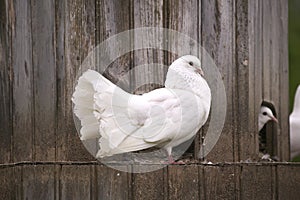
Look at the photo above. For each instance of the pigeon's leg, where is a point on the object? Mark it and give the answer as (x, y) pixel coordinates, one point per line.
(170, 158)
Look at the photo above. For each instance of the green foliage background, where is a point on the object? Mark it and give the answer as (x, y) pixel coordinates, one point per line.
(294, 48)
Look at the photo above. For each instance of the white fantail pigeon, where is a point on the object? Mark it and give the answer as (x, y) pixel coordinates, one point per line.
(295, 126)
(164, 117)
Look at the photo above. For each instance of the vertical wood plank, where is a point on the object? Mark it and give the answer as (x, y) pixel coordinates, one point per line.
(246, 111)
(6, 183)
(149, 185)
(288, 178)
(183, 16)
(218, 38)
(220, 182)
(17, 182)
(75, 182)
(148, 14)
(43, 55)
(23, 101)
(273, 42)
(113, 17)
(256, 182)
(38, 182)
(201, 181)
(255, 66)
(275, 50)
(112, 184)
(283, 139)
(88, 28)
(267, 49)
(62, 116)
(70, 36)
(5, 84)
(183, 182)
(275, 72)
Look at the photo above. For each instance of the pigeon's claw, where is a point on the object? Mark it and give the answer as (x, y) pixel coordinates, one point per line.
(173, 162)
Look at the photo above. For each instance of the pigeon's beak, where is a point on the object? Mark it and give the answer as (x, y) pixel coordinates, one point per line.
(199, 71)
(274, 119)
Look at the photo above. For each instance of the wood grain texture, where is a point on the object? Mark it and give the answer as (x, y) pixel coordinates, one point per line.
(23, 80)
(38, 182)
(275, 69)
(44, 70)
(63, 114)
(283, 140)
(148, 14)
(113, 17)
(184, 17)
(275, 73)
(183, 188)
(6, 183)
(217, 20)
(68, 37)
(17, 182)
(5, 85)
(288, 181)
(270, 69)
(149, 185)
(256, 182)
(75, 182)
(246, 126)
(72, 33)
(266, 56)
(255, 66)
(220, 182)
(94, 181)
(112, 184)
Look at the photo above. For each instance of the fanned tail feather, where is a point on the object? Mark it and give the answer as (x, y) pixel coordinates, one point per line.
(83, 99)
(102, 108)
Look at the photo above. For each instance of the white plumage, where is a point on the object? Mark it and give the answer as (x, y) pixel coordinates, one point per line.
(264, 116)
(164, 117)
(295, 126)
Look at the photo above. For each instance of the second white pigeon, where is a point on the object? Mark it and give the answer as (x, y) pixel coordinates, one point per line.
(295, 126)
(264, 116)
(165, 117)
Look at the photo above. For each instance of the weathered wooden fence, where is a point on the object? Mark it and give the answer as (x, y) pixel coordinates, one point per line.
(42, 44)
(93, 181)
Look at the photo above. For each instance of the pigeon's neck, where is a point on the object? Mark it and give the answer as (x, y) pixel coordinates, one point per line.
(261, 124)
(190, 81)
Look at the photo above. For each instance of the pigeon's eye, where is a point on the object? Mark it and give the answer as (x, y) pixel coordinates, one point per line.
(264, 113)
(191, 63)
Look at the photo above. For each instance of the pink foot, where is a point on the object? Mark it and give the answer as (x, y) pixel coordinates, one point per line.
(177, 163)
(173, 162)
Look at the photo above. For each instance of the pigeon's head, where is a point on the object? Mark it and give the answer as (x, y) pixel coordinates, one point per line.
(266, 115)
(191, 63)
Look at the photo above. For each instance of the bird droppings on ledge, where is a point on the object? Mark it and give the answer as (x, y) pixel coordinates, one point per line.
(192, 163)
(245, 62)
